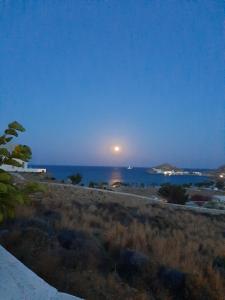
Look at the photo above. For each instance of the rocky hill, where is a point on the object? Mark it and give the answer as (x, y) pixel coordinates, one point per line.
(218, 172)
(164, 167)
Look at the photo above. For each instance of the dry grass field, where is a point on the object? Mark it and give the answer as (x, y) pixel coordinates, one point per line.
(101, 245)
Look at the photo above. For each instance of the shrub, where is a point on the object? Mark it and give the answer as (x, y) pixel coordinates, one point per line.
(83, 247)
(173, 193)
(91, 184)
(204, 184)
(76, 179)
(172, 278)
(212, 204)
(11, 195)
(200, 198)
(219, 264)
(34, 187)
(132, 262)
(5, 177)
(220, 185)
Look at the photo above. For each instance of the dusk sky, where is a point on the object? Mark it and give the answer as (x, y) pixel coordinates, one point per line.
(83, 76)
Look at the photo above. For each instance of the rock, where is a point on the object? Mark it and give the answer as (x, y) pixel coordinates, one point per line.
(172, 278)
(131, 263)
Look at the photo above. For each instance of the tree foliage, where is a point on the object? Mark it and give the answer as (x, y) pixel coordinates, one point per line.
(76, 179)
(21, 152)
(173, 193)
(220, 184)
(10, 194)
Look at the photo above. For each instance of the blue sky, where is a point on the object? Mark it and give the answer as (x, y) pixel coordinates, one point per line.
(82, 76)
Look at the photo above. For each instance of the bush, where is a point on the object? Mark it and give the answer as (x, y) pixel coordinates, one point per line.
(187, 185)
(219, 264)
(173, 279)
(173, 193)
(91, 184)
(34, 187)
(5, 177)
(83, 247)
(11, 195)
(200, 198)
(205, 184)
(132, 262)
(212, 204)
(220, 185)
(76, 179)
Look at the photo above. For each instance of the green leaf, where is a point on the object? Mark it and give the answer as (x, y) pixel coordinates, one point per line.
(1, 217)
(8, 139)
(3, 140)
(11, 131)
(12, 162)
(10, 212)
(4, 152)
(3, 188)
(10, 194)
(22, 152)
(5, 177)
(11, 188)
(19, 198)
(17, 126)
(34, 187)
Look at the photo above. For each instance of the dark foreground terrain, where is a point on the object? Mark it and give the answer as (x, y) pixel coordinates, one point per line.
(98, 245)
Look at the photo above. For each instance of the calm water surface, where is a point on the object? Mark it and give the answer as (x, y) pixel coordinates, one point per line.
(122, 174)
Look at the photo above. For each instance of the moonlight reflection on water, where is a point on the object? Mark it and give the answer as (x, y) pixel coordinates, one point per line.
(115, 176)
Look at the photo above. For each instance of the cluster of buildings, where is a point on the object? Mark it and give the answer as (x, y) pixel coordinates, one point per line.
(166, 171)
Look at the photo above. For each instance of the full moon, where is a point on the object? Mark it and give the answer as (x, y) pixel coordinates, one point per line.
(116, 148)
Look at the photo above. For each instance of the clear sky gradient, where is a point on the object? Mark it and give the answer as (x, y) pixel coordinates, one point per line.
(82, 76)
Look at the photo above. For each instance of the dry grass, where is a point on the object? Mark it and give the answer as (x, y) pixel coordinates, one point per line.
(178, 239)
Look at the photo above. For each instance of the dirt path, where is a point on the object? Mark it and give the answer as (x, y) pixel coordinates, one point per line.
(148, 199)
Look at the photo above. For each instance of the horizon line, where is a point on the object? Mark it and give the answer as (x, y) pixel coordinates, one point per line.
(110, 166)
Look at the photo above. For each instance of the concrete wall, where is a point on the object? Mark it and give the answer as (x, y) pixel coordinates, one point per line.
(17, 282)
(26, 169)
(23, 168)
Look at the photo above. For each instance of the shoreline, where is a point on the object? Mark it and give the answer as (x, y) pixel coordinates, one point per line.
(153, 198)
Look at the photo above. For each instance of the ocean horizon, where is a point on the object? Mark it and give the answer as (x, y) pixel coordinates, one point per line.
(110, 175)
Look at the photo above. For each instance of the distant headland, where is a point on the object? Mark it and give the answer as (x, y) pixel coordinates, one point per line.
(169, 170)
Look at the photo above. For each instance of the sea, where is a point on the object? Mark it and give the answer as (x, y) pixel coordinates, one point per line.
(110, 175)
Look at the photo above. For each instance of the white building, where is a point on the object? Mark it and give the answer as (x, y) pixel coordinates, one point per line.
(169, 172)
(174, 172)
(24, 168)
